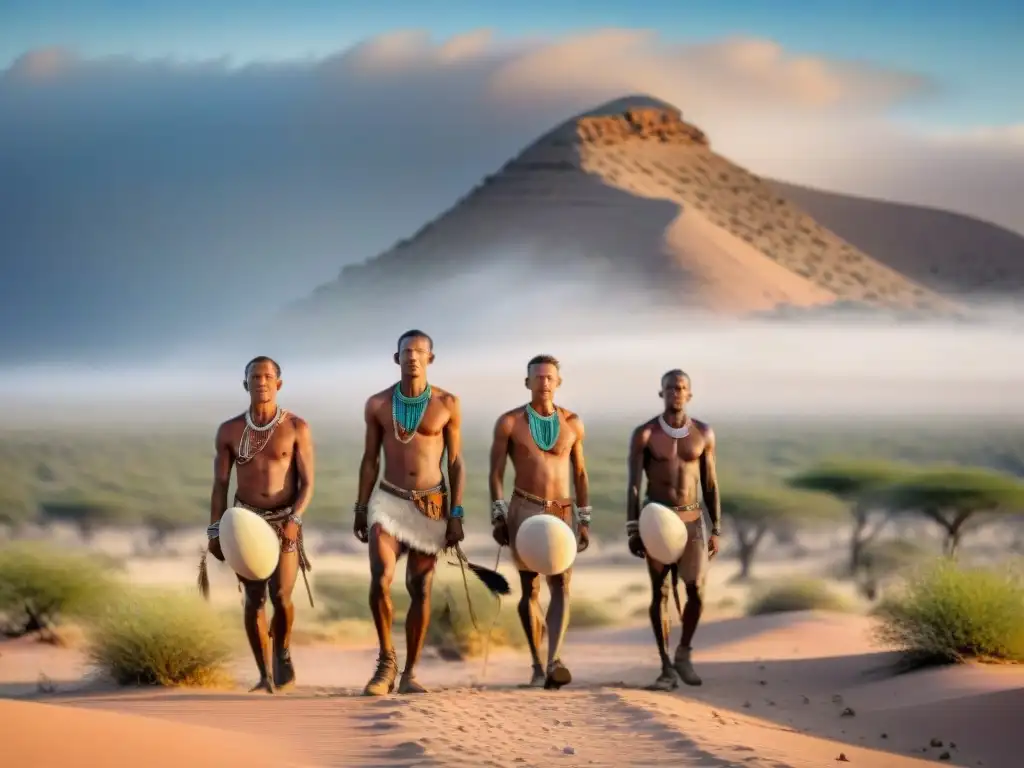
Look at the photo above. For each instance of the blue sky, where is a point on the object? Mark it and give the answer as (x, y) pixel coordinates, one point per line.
(973, 50)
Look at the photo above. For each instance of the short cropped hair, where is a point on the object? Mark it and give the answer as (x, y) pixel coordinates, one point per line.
(262, 359)
(415, 334)
(672, 374)
(543, 360)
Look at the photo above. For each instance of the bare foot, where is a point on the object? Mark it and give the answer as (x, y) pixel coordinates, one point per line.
(264, 685)
(408, 684)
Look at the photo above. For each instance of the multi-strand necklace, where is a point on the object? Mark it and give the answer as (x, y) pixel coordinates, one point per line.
(676, 433)
(407, 412)
(543, 429)
(255, 437)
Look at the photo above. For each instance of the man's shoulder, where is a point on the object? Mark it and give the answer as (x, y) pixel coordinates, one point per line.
(232, 423)
(296, 421)
(703, 427)
(448, 399)
(644, 430)
(513, 414)
(384, 395)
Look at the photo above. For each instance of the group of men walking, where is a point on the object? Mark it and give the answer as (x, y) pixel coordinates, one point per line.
(412, 506)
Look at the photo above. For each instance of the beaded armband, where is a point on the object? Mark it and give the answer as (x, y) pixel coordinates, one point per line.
(584, 514)
(499, 510)
(213, 530)
(456, 512)
(716, 531)
(360, 509)
(632, 527)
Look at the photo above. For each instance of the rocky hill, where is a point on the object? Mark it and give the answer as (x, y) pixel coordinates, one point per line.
(632, 196)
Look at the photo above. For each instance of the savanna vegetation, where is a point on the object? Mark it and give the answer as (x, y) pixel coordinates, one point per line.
(946, 612)
(160, 482)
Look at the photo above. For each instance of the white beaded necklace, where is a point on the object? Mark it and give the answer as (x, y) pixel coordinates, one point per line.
(676, 433)
(248, 447)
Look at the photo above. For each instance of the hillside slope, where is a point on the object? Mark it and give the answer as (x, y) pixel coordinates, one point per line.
(947, 252)
(632, 196)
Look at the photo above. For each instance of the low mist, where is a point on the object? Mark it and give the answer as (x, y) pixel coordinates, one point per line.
(611, 363)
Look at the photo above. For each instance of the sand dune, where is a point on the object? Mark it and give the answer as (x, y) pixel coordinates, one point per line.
(630, 196)
(785, 690)
(48, 736)
(947, 252)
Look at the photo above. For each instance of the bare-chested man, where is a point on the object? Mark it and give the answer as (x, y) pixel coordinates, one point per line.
(416, 424)
(544, 441)
(272, 451)
(677, 454)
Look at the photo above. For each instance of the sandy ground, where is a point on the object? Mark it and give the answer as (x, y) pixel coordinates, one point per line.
(798, 689)
(785, 690)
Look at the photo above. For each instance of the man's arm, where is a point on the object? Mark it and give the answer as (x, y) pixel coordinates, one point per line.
(499, 457)
(635, 474)
(305, 464)
(453, 447)
(369, 467)
(223, 461)
(580, 481)
(709, 482)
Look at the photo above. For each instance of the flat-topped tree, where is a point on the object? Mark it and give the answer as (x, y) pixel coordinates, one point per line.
(754, 512)
(856, 484)
(953, 497)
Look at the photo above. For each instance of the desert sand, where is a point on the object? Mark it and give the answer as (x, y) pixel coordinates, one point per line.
(797, 689)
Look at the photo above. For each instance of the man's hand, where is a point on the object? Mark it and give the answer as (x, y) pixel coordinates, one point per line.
(360, 526)
(499, 531)
(214, 548)
(636, 545)
(584, 538)
(454, 534)
(712, 546)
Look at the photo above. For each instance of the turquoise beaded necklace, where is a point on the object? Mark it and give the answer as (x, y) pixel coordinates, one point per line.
(543, 429)
(407, 412)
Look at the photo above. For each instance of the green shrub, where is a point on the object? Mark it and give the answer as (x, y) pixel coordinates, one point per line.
(451, 625)
(40, 585)
(948, 613)
(589, 614)
(796, 595)
(154, 637)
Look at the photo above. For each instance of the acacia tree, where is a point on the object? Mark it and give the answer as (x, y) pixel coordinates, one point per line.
(856, 484)
(953, 497)
(753, 513)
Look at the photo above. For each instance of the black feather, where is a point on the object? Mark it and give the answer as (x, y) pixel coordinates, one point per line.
(493, 580)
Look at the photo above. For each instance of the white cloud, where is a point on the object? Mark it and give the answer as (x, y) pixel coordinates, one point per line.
(118, 164)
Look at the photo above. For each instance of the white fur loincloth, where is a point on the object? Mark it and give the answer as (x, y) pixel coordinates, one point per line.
(405, 522)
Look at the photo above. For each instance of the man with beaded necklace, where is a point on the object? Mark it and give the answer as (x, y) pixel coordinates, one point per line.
(272, 452)
(677, 453)
(544, 442)
(415, 425)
